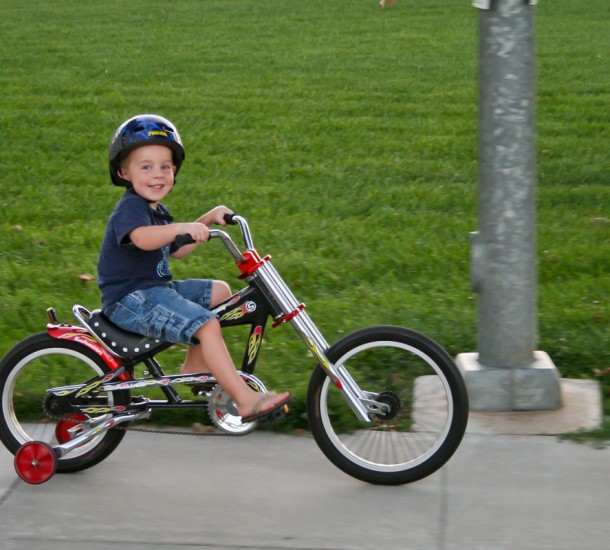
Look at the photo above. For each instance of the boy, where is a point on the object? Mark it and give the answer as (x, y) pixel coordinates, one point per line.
(135, 279)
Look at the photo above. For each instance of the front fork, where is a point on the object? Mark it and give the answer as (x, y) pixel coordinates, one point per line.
(358, 401)
(294, 312)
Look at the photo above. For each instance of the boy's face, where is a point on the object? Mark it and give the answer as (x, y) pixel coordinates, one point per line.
(150, 169)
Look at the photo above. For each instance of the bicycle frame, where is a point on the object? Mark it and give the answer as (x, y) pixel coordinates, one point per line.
(266, 295)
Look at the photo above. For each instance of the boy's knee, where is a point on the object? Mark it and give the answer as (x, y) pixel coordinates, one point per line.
(221, 291)
(210, 328)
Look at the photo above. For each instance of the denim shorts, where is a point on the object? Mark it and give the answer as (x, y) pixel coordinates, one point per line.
(172, 313)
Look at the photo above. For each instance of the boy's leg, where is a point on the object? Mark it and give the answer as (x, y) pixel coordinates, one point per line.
(220, 292)
(194, 361)
(214, 353)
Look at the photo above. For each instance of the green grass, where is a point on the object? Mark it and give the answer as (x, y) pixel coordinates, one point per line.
(344, 133)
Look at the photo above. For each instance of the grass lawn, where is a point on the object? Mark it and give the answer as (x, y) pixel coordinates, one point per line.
(345, 134)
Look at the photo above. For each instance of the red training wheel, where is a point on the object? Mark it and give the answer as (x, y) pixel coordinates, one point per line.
(35, 462)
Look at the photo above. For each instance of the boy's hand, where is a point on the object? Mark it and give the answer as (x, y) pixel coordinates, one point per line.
(216, 215)
(198, 231)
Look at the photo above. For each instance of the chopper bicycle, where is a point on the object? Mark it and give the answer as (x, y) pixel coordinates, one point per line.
(385, 404)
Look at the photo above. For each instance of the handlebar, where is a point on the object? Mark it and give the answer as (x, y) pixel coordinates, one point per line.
(230, 219)
(182, 240)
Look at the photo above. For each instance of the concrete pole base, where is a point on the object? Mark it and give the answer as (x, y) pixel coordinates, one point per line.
(535, 387)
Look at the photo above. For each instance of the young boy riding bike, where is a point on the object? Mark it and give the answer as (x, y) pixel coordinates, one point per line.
(134, 276)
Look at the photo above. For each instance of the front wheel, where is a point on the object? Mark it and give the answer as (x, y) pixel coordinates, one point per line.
(34, 365)
(425, 413)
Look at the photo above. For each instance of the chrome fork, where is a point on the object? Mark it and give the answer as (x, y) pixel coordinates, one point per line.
(292, 311)
(314, 340)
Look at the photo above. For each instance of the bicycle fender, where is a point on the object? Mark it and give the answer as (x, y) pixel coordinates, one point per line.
(82, 336)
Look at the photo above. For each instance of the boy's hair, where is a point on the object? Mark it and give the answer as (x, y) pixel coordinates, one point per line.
(138, 131)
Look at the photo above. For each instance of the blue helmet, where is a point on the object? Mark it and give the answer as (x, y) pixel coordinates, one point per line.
(142, 130)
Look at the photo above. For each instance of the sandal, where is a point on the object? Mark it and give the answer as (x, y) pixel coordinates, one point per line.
(259, 412)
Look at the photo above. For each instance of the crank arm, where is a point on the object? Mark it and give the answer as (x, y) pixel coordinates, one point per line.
(88, 435)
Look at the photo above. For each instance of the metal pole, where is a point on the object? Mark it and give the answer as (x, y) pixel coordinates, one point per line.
(507, 373)
(507, 186)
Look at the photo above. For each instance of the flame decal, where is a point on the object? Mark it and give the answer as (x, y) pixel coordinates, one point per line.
(254, 343)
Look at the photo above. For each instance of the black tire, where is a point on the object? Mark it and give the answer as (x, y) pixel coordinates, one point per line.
(427, 398)
(26, 371)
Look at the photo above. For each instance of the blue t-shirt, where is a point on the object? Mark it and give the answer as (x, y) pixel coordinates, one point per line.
(122, 267)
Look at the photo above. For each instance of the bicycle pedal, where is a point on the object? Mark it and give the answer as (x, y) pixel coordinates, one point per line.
(273, 416)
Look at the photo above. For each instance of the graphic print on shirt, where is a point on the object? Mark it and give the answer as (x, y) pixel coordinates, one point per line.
(163, 270)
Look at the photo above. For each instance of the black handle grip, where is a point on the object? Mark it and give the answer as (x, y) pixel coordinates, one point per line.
(182, 240)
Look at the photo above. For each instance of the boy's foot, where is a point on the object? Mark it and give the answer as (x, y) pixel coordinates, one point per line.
(268, 404)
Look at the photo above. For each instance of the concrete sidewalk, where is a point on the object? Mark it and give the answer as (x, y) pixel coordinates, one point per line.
(278, 491)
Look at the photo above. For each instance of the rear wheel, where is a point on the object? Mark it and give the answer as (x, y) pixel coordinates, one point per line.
(425, 413)
(26, 372)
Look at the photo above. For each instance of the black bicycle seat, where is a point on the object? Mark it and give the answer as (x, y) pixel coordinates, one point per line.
(121, 342)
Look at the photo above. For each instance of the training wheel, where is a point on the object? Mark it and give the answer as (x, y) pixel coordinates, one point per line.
(35, 462)
(61, 430)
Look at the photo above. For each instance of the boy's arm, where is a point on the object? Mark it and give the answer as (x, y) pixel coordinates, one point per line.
(214, 216)
(153, 237)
